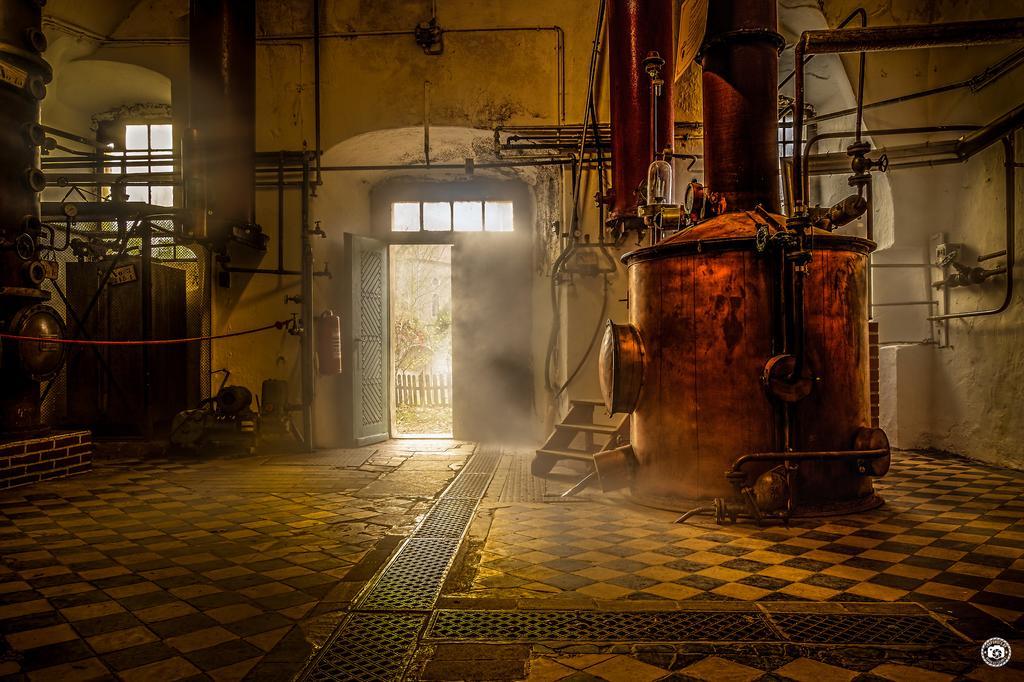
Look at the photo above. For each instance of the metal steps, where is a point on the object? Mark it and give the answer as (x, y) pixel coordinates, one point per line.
(581, 435)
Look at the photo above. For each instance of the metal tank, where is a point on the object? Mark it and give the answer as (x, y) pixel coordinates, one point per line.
(745, 361)
(710, 367)
(23, 364)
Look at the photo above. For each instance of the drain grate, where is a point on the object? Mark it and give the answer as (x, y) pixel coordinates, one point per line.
(820, 628)
(447, 519)
(521, 485)
(413, 580)
(484, 462)
(688, 626)
(595, 626)
(368, 647)
(469, 486)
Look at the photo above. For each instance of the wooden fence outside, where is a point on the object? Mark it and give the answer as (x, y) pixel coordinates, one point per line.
(423, 389)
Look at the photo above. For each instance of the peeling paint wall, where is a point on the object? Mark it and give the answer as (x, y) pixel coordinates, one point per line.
(376, 97)
(963, 394)
(502, 64)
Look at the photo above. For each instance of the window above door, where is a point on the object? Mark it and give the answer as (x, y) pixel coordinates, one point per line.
(451, 216)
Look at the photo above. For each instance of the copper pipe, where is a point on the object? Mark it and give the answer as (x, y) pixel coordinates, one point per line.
(1000, 128)
(913, 36)
(741, 69)
(635, 28)
(805, 456)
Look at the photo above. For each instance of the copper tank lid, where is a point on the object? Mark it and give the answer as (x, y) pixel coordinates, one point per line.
(735, 232)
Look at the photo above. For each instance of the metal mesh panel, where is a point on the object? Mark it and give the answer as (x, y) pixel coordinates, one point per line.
(468, 485)
(862, 629)
(371, 325)
(688, 626)
(485, 461)
(414, 579)
(368, 647)
(660, 626)
(447, 519)
(193, 260)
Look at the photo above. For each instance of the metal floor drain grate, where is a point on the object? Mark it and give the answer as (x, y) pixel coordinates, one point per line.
(687, 626)
(447, 519)
(468, 486)
(595, 626)
(821, 628)
(484, 462)
(369, 647)
(521, 485)
(413, 580)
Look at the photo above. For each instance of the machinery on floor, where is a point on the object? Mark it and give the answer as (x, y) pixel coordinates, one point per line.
(744, 363)
(23, 302)
(225, 420)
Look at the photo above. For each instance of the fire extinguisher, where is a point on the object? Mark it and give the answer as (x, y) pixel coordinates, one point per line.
(328, 342)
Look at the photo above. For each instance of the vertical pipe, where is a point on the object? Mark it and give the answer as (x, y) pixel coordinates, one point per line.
(741, 70)
(222, 108)
(306, 360)
(146, 294)
(280, 211)
(869, 228)
(635, 28)
(316, 87)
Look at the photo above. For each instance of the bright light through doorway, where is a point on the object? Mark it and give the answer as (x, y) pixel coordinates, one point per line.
(421, 340)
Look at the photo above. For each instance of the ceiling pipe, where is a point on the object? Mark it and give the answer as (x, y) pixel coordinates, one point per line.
(912, 36)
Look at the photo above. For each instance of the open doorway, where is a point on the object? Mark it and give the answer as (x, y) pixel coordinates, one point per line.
(421, 340)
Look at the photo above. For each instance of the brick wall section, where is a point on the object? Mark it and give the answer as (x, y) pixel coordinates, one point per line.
(873, 369)
(56, 455)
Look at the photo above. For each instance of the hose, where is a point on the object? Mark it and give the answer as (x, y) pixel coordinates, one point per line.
(590, 346)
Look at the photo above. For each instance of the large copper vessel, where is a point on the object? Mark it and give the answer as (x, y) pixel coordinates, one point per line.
(703, 305)
(745, 363)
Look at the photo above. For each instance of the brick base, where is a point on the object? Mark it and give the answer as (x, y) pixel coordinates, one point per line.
(56, 455)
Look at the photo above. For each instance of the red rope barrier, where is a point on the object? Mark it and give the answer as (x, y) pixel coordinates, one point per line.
(152, 342)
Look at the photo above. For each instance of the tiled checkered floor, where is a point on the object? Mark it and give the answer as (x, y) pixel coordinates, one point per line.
(950, 531)
(651, 665)
(236, 568)
(165, 569)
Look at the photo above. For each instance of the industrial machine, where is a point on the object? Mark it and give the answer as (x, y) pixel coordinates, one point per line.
(226, 420)
(744, 362)
(23, 309)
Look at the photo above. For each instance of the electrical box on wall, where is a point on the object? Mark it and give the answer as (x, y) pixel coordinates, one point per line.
(943, 251)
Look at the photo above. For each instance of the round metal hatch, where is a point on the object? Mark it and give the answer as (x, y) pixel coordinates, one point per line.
(40, 359)
(621, 367)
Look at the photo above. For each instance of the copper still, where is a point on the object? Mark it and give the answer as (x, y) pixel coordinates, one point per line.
(745, 361)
